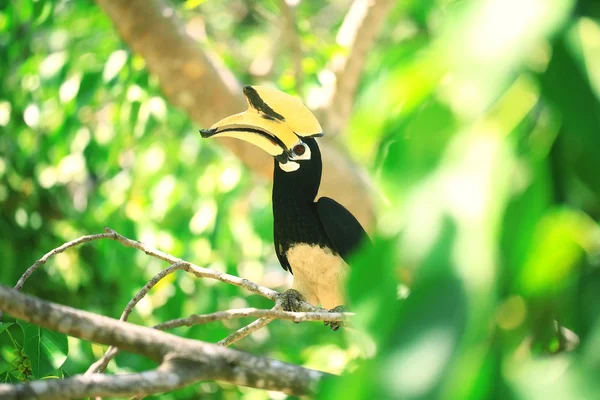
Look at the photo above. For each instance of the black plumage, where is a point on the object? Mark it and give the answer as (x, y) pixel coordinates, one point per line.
(299, 219)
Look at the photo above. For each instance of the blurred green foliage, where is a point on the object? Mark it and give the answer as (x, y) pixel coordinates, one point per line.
(479, 122)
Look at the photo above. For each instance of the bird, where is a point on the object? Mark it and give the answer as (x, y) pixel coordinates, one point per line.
(313, 238)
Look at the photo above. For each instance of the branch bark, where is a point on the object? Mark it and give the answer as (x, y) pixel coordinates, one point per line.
(196, 270)
(170, 375)
(53, 252)
(203, 361)
(111, 352)
(252, 312)
(196, 82)
(245, 331)
(309, 312)
(357, 34)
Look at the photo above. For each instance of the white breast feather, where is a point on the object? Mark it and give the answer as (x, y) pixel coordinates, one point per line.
(318, 274)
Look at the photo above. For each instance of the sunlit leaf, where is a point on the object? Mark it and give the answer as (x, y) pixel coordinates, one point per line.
(559, 241)
(46, 349)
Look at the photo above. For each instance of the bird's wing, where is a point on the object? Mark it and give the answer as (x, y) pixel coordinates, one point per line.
(343, 230)
(285, 264)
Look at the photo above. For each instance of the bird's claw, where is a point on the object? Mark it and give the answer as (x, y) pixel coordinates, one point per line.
(290, 300)
(335, 325)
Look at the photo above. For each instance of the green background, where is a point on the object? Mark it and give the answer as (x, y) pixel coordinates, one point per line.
(477, 121)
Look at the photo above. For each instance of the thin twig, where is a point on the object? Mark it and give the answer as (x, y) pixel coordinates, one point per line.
(252, 312)
(111, 352)
(164, 378)
(60, 249)
(198, 271)
(250, 328)
(53, 252)
(101, 364)
(143, 291)
(245, 331)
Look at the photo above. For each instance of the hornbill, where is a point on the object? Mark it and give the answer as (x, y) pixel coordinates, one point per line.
(313, 239)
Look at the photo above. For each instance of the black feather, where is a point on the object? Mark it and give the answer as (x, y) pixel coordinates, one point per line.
(343, 230)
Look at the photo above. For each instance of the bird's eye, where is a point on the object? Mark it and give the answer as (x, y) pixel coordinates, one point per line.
(299, 149)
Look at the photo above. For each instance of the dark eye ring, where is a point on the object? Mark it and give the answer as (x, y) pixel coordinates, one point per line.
(299, 150)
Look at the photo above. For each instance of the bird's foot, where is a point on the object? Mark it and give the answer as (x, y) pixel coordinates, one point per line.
(335, 325)
(290, 300)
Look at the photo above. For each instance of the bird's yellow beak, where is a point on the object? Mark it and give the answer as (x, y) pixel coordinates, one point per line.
(274, 121)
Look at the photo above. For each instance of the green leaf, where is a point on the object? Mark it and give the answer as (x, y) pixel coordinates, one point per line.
(566, 86)
(46, 350)
(8, 377)
(559, 242)
(43, 10)
(5, 325)
(425, 134)
(372, 287)
(12, 336)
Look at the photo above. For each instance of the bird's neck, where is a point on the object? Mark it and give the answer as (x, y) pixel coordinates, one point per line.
(295, 214)
(294, 209)
(296, 187)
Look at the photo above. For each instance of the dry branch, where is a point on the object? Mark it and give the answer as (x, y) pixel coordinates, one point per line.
(305, 308)
(111, 352)
(251, 312)
(53, 252)
(170, 375)
(203, 361)
(151, 283)
(245, 331)
(103, 330)
(194, 269)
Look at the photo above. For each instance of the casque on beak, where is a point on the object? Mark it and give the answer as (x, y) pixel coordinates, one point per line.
(274, 121)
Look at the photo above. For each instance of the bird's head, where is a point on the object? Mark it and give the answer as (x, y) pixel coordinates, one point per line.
(277, 123)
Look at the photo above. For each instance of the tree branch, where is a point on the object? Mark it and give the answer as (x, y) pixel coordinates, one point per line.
(111, 352)
(357, 34)
(202, 360)
(193, 80)
(261, 322)
(100, 365)
(170, 375)
(194, 269)
(308, 313)
(252, 312)
(53, 252)
(151, 283)
(245, 331)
